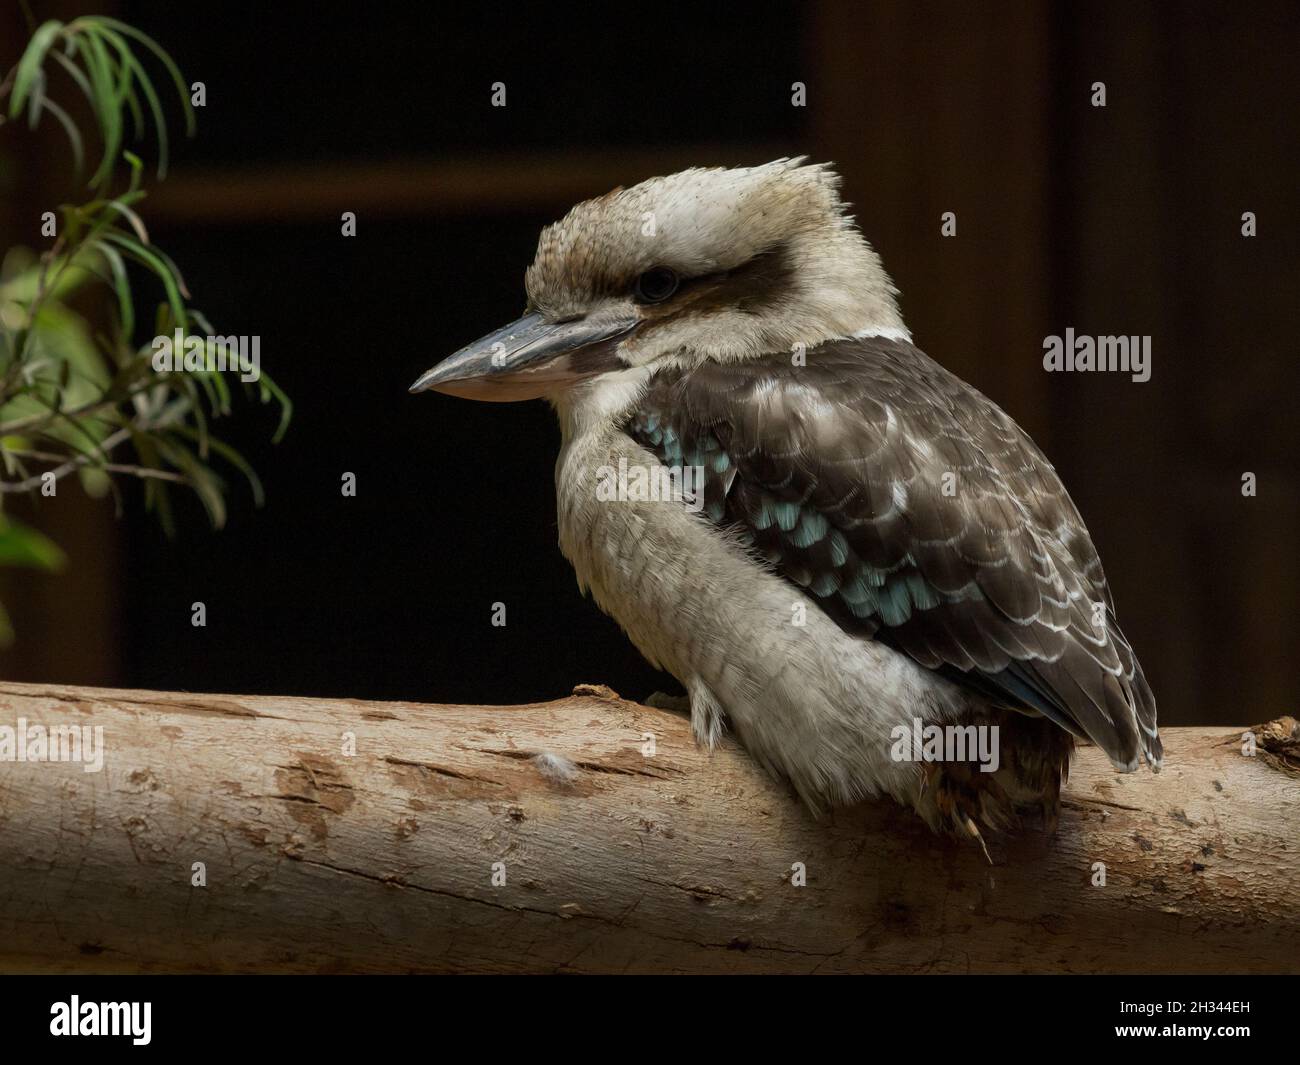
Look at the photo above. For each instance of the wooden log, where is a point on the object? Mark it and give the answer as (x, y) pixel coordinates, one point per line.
(341, 835)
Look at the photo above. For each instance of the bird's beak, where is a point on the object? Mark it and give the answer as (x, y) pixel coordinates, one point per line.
(529, 358)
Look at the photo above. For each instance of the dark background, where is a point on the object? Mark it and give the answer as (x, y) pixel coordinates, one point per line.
(1122, 220)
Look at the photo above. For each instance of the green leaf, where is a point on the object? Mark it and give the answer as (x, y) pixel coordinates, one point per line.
(121, 285)
(24, 546)
(237, 460)
(70, 127)
(137, 223)
(206, 484)
(62, 336)
(128, 65)
(181, 88)
(158, 265)
(137, 167)
(29, 66)
(100, 65)
(155, 109)
(75, 73)
(95, 483)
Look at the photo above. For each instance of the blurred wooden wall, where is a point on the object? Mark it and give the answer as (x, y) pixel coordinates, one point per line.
(1202, 129)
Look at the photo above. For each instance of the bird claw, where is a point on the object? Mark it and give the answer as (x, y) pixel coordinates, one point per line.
(973, 830)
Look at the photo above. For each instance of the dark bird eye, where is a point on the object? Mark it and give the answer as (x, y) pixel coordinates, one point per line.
(656, 285)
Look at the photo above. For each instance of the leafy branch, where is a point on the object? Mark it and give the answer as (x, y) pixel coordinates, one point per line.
(75, 386)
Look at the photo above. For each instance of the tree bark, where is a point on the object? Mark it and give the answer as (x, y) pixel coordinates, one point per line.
(615, 856)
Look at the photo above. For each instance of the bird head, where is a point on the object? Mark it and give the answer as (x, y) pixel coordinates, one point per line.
(705, 264)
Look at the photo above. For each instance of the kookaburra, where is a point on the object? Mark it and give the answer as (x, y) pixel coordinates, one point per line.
(879, 549)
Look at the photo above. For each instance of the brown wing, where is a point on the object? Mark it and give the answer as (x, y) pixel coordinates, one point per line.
(914, 511)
